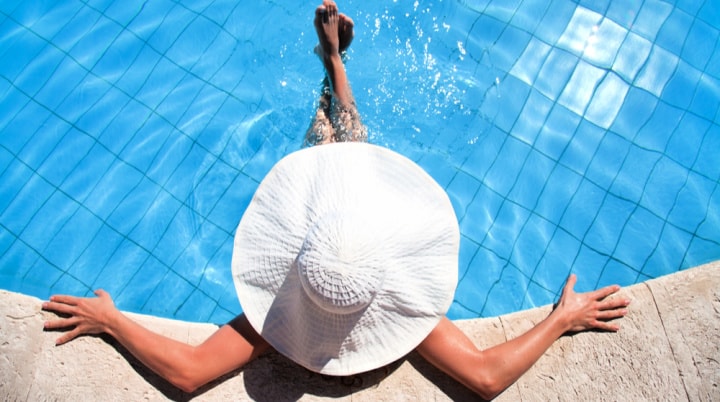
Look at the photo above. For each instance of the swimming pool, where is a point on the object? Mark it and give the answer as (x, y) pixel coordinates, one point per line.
(571, 137)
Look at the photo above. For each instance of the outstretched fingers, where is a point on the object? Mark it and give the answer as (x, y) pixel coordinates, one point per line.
(602, 293)
(61, 304)
(61, 308)
(80, 315)
(76, 330)
(605, 325)
(61, 323)
(593, 309)
(64, 299)
(608, 310)
(72, 322)
(613, 303)
(610, 314)
(609, 307)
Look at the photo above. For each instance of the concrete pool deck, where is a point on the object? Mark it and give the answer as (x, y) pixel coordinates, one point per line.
(668, 349)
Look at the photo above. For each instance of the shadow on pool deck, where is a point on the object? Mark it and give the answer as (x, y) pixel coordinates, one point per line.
(668, 349)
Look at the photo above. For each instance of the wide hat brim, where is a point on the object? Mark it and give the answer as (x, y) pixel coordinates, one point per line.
(403, 221)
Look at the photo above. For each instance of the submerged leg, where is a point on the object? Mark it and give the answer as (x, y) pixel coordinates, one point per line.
(321, 130)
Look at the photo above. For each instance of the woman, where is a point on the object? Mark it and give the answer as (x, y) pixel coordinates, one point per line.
(487, 372)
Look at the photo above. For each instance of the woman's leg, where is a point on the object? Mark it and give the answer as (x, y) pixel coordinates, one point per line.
(321, 130)
(337, 118)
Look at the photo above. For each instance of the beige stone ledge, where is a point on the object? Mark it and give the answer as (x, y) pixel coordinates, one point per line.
(668, 349)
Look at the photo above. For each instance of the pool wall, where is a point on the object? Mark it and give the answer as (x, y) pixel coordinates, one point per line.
(667, 349)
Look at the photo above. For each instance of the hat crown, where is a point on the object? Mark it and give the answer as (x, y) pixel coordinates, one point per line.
(337, 265)
(346, 295)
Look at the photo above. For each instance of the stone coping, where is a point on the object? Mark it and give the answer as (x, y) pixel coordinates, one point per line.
(668, 349)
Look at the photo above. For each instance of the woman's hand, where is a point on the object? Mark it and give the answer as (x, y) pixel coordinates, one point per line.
(186, 366)
(591, 310)
(490, 371)
(85, 315)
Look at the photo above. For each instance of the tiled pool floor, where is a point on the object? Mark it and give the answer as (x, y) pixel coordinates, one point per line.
(571, 137)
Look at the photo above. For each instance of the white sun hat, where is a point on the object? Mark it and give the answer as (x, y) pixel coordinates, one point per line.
(346, 257)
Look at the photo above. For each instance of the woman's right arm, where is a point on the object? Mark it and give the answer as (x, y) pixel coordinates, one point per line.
(488, 372)
(185, 366)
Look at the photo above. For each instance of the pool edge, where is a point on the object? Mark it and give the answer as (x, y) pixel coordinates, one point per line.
(668, 348)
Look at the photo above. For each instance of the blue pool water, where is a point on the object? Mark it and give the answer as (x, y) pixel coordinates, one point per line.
(571, 136)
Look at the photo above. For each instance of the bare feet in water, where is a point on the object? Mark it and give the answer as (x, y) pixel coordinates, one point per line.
(334, 30)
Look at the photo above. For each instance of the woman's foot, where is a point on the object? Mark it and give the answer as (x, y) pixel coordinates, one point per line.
(345, 31)
(328, 26)
(327, 23)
